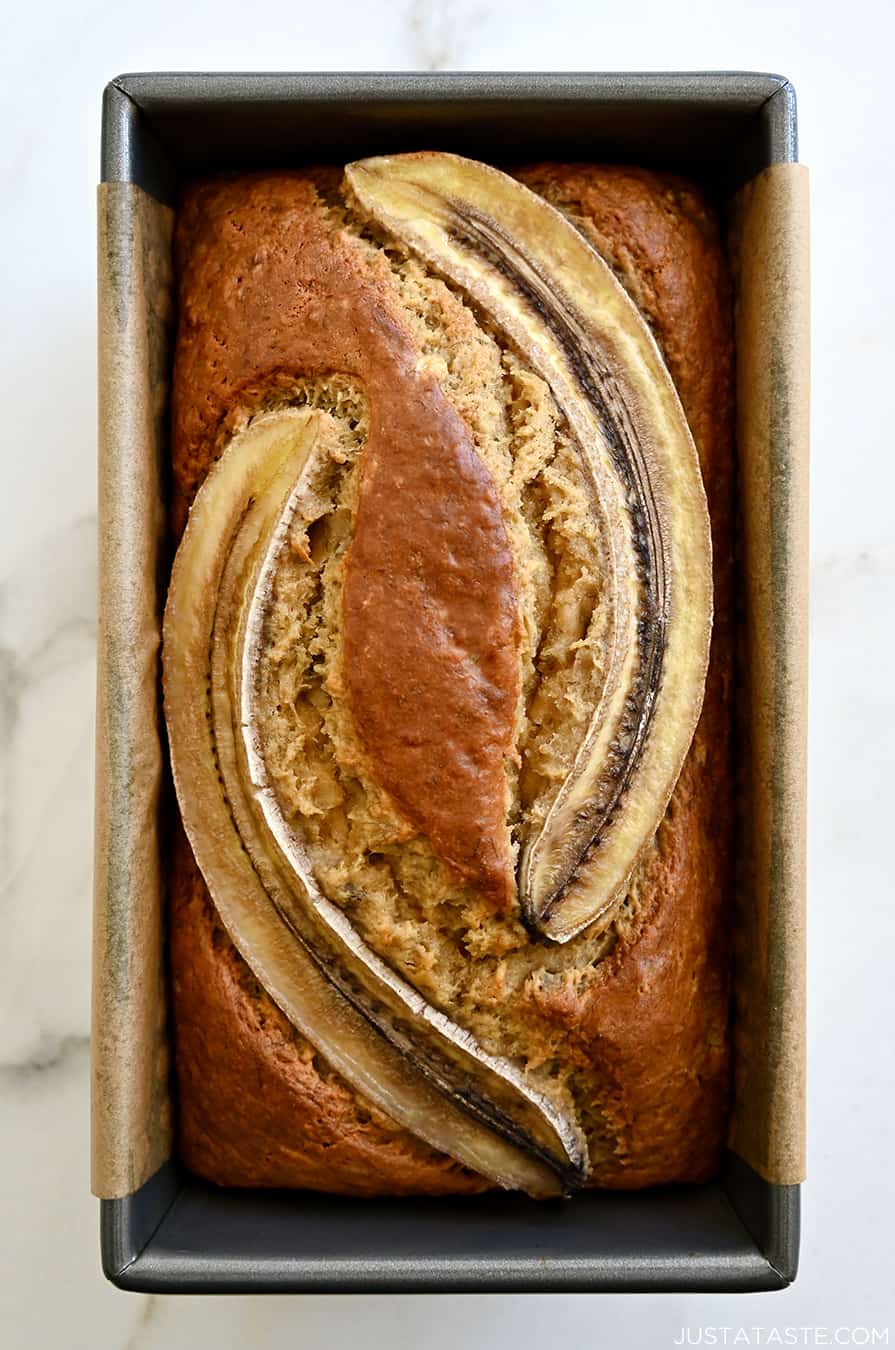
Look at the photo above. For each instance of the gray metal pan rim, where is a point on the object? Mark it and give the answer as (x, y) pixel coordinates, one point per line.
(176, 1234)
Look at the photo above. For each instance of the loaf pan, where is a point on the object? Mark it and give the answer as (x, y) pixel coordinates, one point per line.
(162, 1229)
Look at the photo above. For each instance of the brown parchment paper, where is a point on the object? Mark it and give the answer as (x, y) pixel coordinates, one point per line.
(772, 342)
(131, 1110)
(131, 1118)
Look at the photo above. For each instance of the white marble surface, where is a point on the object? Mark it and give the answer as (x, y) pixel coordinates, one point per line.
(54, 60)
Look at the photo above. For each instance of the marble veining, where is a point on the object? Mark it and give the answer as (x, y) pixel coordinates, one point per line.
(146, 1321)
(48, 642)
(441, 35)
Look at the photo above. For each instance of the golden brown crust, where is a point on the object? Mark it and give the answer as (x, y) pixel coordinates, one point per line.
(652, 1024)
(429, 634)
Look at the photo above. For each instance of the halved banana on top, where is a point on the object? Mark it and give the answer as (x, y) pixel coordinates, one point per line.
(427, 1073)
(537, 281)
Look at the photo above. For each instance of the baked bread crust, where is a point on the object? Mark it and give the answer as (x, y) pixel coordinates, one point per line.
(651, 1026)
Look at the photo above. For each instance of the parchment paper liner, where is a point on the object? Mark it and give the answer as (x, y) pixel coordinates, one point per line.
(131, 1110)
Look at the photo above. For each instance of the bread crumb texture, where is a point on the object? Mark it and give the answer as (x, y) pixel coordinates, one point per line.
(628, 1025)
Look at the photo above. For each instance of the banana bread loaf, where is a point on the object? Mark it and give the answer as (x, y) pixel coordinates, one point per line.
(290, 296)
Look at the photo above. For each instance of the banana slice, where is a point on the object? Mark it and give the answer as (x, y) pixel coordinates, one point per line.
(535, 279)
(404, 1055)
